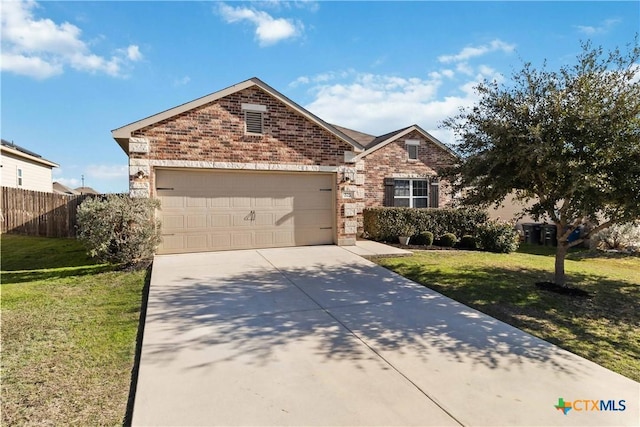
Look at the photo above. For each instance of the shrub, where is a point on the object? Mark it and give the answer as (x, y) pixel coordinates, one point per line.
(448, 240)
(381, 223)
(118, 228)
(501, 237)
(425, 238)
(618, 236)
(468, 242)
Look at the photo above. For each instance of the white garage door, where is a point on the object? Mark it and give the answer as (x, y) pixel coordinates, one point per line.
(213, 211)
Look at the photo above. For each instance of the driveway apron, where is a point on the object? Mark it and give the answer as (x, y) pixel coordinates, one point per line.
(321, 336)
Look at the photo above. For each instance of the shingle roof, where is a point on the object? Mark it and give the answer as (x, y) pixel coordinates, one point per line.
(380, 139)
(361, 137)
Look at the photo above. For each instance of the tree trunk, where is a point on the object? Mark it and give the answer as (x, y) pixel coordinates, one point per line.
(561, 253)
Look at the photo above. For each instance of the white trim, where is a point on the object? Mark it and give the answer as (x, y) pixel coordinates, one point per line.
(254, 107)
(195, 164)
(412, 142)
(18, 153)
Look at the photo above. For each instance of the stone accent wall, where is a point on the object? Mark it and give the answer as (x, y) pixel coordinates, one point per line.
(392, 160)
(213, 136)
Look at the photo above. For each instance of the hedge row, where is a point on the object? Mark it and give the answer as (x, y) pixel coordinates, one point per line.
(389, 223)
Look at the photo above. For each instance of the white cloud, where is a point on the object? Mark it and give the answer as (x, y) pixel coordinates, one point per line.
(475, 51)
(40, 48)
(107, 171)
(603, 28)
(269, 30)
(378, 104)
(182, 81)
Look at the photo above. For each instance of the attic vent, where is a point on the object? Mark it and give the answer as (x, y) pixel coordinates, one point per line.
(253, 121)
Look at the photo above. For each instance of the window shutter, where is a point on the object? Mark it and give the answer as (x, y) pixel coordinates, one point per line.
(434, 194)
(389, 191)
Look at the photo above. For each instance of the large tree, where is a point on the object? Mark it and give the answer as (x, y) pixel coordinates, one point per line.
(566, 141)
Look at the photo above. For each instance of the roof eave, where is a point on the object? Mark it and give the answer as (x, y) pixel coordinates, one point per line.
(122, 134)
(400, 135)
(26, 156)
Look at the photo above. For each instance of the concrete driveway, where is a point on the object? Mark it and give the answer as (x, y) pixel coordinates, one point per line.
(321, 336)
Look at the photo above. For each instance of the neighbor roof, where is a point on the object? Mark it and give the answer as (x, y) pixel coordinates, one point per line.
(63, 189)
(122, 134)
(19, 151)
(85, 190)
(388, 138)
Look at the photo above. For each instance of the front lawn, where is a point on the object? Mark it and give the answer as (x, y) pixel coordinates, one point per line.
(604, 328)
(69, 330)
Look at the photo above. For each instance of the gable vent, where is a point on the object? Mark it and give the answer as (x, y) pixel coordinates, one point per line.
(253, 121)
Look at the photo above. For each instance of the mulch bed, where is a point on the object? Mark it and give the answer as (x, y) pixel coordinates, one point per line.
(563, 290)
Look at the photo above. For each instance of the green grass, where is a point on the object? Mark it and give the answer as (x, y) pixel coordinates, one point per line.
(604, 328)
(69, 330)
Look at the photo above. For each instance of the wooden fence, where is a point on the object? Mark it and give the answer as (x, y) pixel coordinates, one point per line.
(35, 213)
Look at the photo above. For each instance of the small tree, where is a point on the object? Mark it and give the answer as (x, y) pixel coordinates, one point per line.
(567, 140)
(119, 229)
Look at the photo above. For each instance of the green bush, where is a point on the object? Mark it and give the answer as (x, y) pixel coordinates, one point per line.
(501, 237)
(119, 229)
(382, 223)
(447, 240)
(468, 242)
(425, 238)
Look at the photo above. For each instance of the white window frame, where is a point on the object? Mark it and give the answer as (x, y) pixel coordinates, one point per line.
(412, 199)
(250, 109)
(412, 148)
(19, 177)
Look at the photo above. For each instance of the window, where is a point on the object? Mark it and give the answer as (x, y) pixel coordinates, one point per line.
(412, 148)
(19, 177)
(253, 118)
(411, 193)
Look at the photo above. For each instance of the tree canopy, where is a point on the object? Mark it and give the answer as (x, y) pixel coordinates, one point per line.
(567, 141)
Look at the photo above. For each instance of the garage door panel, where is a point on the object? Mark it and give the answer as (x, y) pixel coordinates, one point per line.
(220, 220)
(197, 241)
(242, 240)
(197, 221)
(215, 210)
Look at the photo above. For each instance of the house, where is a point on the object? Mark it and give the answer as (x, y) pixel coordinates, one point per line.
(59, 188)
(246, 167)
(86, 190)
(25, 169)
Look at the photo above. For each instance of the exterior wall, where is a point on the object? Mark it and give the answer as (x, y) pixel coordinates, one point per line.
(212, 136)
(35, 176)
(392, 161)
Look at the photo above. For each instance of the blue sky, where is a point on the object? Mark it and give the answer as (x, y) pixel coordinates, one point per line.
(73, 71)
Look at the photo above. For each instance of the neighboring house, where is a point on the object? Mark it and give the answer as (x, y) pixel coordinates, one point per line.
(246, 167)
(85, 190)
(25, 169)
(63, 189)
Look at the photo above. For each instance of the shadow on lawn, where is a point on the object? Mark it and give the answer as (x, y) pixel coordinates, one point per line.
(512, 297)
(253, 315)
(53, 273)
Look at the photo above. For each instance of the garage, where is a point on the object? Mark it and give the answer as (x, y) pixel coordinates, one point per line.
(224, 210)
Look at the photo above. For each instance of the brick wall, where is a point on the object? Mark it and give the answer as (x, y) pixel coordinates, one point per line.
(392, 161)
(214, 133)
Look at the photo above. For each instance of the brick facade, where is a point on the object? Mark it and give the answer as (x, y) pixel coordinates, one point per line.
(392, 161)
(213, 136)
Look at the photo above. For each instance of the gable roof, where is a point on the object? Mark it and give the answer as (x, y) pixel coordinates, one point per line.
(18, 151)
(122, 134)
(388, 138)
